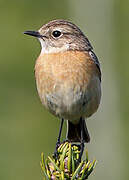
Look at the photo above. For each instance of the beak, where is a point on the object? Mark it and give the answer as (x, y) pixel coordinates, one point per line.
(33, 33)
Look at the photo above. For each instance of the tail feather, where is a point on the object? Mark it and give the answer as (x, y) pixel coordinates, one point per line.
(74, 132)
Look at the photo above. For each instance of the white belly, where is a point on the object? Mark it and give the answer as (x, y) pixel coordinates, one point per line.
(73, 103)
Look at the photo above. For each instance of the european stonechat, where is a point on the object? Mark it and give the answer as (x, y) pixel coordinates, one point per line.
(68, 77)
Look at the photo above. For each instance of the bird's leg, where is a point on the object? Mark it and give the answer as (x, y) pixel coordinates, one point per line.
(59, 136)
(82, 140)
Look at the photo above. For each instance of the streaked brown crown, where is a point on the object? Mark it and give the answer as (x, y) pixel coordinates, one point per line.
(70, 35)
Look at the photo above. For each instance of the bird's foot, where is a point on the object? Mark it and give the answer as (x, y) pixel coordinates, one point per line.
(78, 145)
(57, 146)
(56, 150)
(81, 152)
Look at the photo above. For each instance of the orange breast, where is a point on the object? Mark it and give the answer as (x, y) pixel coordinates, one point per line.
(63, 71)
(68, 67)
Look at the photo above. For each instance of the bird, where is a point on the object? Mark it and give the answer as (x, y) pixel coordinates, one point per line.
(68, 77)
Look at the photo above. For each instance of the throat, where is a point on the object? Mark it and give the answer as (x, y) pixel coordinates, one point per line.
(46, 49)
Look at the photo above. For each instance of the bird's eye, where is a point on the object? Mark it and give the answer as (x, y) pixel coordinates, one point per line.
(56, 33)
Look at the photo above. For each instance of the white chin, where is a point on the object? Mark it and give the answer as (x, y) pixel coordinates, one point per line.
(43, 45)
(49, 49)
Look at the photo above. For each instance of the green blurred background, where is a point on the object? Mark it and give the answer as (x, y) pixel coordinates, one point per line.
(26, 129)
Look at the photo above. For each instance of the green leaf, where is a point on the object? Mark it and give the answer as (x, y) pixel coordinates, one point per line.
(87, 156)
(85, 170)
(69, 158)
(54, 164)
(62, 175)
(77, 170)
(62, 147)
(90, 169)
(62, 157)
(65, 166)
(42, 164)
(73, 163)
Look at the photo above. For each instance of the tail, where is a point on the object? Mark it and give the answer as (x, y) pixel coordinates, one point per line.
(74, 132)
